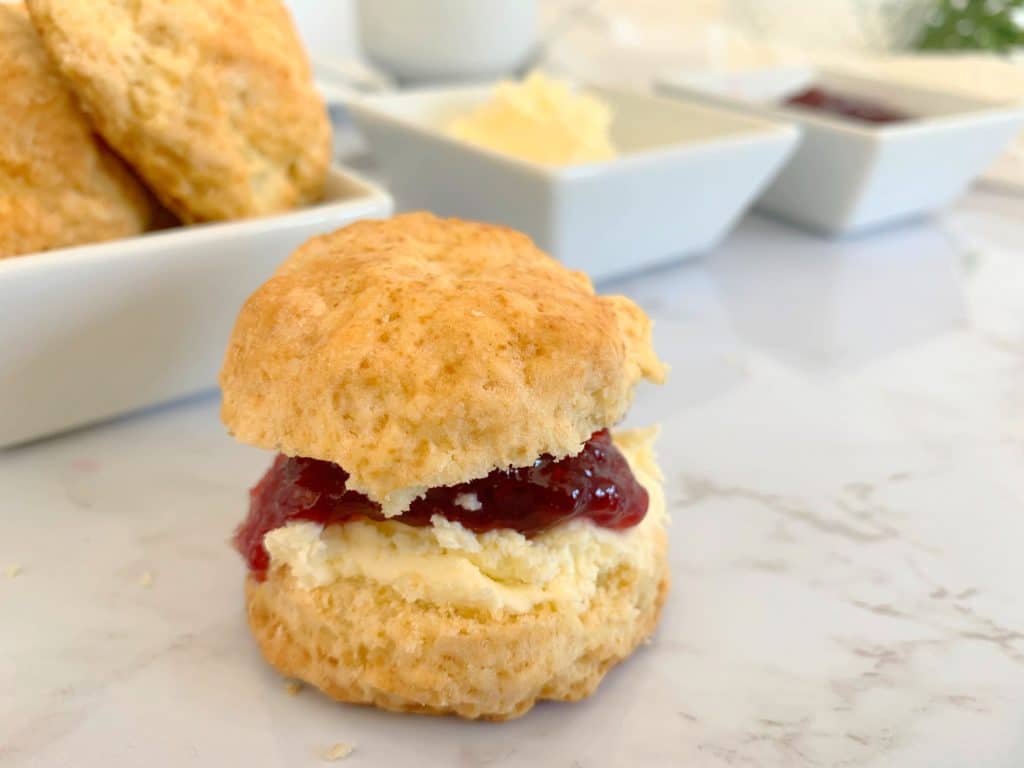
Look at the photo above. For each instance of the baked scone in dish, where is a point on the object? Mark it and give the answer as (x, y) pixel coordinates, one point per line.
(450, 525)
(211, 101)
(59, 185)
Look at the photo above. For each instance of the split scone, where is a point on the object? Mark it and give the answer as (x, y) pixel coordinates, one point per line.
(449, 526)
(59, 184)
(211, 101)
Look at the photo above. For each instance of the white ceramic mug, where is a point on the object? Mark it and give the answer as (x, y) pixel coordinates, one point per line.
(445, 40)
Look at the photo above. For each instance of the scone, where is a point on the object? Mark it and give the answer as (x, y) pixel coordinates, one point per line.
(59, 185)
(449, 526)
(211, 101)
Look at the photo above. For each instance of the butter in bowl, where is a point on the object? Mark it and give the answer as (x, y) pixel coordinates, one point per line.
(606, 181)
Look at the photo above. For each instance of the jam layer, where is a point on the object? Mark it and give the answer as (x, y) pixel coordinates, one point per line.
(597, 484)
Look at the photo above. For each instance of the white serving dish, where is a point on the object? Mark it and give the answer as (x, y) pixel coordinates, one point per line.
(684, 175)
(90, 332)
(848, 176)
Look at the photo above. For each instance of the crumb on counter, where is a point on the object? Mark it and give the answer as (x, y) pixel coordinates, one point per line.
(338, 751)
(12, 571)
(146, 580)
(292, 687)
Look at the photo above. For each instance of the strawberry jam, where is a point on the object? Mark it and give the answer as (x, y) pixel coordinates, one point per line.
(855, 108)
(597, 484)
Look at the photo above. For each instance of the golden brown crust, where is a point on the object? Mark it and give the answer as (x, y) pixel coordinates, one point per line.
(361, 643)
(419, 352)
(59, 186)
(212, 101)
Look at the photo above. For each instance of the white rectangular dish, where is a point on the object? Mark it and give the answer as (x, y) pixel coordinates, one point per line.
(848, 176)
(98, 330)
(684, 175)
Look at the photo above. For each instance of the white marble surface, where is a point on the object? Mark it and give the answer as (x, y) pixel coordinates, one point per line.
(843, 443)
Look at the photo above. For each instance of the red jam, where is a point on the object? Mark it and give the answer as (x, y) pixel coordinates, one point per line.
(852, 107)
(597, 484)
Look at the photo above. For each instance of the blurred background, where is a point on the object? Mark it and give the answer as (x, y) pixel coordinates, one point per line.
(976, 42)
(970, 46)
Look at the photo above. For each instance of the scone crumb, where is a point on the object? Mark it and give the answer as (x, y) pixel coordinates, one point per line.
(292, 687)
(146, 579)
(338, 751)
(468, 501)
(12, 571)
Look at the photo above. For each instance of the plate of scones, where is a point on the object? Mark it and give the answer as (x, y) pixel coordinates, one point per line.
(164, 158)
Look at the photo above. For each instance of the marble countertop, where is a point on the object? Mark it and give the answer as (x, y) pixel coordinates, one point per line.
(843, 439)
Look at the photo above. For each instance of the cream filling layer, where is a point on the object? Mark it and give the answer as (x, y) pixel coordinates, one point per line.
(500, 571)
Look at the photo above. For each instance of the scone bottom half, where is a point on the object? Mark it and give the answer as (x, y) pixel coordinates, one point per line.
(450, 525)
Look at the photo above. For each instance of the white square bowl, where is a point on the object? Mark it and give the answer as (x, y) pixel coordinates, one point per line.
(684, 175)
(849, 176)
(93, 331)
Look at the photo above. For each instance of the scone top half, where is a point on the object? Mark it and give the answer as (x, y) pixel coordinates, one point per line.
(212, 102)
(417, 352)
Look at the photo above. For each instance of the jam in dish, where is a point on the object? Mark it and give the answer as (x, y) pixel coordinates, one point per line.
(597, 484)
(853, 107)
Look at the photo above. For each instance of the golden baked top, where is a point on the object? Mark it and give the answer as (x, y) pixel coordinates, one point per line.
(418, 352)
(212, 101)
(59, 185)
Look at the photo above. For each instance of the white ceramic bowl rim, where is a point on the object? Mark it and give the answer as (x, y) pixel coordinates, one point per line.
(363, 193)
(378, 106)
(973, 108)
